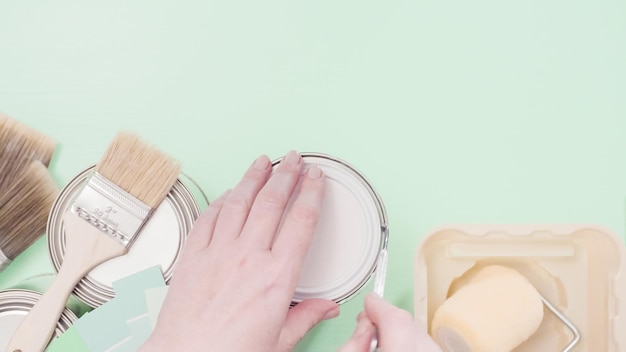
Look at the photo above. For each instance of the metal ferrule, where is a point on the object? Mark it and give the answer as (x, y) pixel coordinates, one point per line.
(4, 261)
(111, 209)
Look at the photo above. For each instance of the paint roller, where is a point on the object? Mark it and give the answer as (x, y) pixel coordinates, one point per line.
(494, 311)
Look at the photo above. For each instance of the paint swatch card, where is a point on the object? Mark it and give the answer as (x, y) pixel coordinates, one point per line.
(154, 300)
(70, 341)
(122, 324)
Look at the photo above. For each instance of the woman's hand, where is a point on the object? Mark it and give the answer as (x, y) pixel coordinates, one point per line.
(397, 331)
(233, 285)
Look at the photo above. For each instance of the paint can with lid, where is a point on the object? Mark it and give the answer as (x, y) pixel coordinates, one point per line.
(350, 237)
(159, 243)
(15, 304)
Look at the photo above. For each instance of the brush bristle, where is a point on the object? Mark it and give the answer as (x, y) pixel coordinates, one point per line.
(139, 168)
(24, 209)
(19, 145)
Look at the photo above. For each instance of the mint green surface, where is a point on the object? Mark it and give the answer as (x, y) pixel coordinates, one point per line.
(458, 112)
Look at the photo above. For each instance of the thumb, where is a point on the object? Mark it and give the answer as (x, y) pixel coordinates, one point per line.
(362, 337)
(302, 318)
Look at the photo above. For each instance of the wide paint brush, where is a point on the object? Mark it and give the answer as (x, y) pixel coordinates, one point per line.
(129, 182)
(19, 145)
(24, 209)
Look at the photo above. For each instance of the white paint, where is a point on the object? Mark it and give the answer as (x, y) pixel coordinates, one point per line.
(347, 239)
(156, 244)
(9, 321)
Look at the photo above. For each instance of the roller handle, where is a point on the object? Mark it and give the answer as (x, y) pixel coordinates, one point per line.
(86, 248)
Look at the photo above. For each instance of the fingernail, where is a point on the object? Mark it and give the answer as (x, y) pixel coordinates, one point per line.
(375, 296)
(262, 163)
(314, 172)
(292, 158)
(333, 313)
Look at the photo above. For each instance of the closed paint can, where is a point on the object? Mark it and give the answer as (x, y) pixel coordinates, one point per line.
(351, 233)
(15, 304)
(159, 243)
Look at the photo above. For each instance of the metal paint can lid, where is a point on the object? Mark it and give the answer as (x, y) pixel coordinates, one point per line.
(159, 243)
(349, 237)
(15, 304)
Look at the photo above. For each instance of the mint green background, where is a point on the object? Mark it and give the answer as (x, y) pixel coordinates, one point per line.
(468, 111)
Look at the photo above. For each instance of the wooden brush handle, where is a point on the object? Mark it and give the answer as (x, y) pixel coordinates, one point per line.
(86, 248)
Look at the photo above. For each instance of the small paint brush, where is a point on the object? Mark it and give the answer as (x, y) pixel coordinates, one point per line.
(129, 182)
(19, 145)
(24, 209)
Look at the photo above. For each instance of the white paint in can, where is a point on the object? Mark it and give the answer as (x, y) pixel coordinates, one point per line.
(349, 236)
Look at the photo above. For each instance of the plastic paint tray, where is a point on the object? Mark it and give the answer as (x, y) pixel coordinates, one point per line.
(579, 269)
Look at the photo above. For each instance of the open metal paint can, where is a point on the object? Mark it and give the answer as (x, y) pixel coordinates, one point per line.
(159, 243)
(350, 235)
(15, 304)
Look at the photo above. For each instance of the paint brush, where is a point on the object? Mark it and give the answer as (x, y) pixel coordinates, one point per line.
(24, 209)
(19, 145)
(129, 182)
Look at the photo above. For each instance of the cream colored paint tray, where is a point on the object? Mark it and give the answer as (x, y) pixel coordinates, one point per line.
(579, 269)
